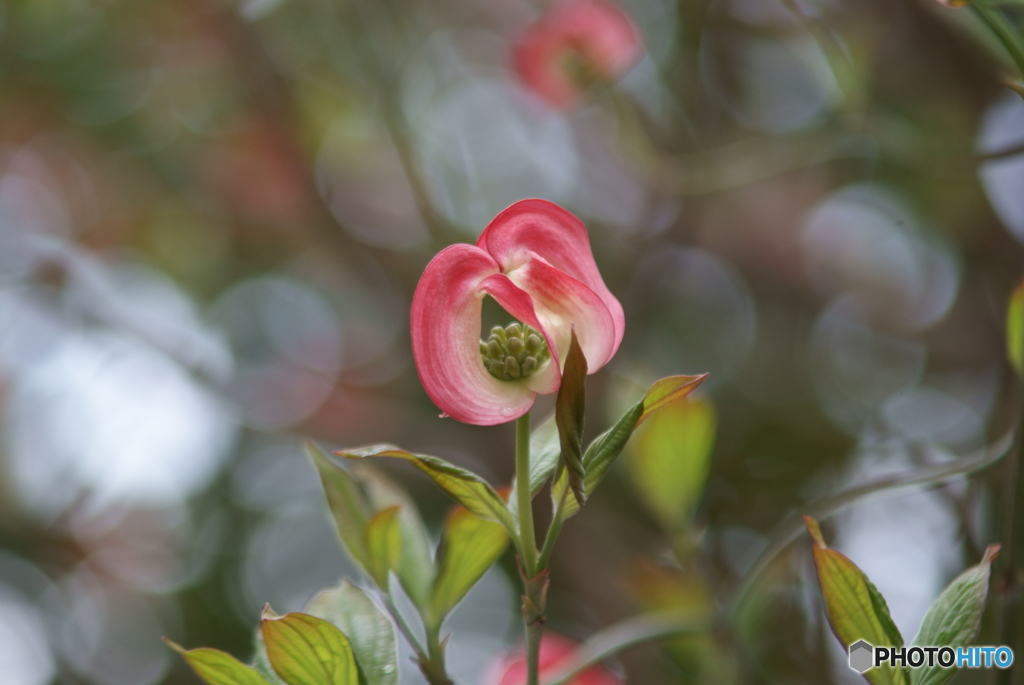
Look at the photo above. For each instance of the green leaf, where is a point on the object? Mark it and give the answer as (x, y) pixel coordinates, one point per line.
(545, 451)
(305, 650)
(1015, 328)
(218, 668)
(607, 446)
(416, 567)
(368, 630)
(671, 458)
(856, 610)
(667, 390)
(469, 545)
(570, 407)
(954, 618)
(384, 544)
(348, 506)
(260, 661)
(472, 491)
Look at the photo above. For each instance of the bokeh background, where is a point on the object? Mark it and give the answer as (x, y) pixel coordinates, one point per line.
(213, 215)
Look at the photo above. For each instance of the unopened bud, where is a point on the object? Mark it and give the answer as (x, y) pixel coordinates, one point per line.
(534, 343)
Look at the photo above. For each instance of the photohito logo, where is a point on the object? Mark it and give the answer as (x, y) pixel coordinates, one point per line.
(863, 656)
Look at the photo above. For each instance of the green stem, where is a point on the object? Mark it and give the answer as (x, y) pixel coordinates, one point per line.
(429, 659)
(553, 530)
(534, 579)
(528, 537)
(534, 600)
(433, 668)
(995, 20)
(403, 626)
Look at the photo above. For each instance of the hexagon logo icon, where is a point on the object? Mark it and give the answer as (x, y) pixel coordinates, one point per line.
(861, 656)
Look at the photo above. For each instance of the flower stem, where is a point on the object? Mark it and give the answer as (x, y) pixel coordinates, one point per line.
(535, 580)
(553, 530)
(526, 531)
(430, 659)
(534, 599)
(433, 668)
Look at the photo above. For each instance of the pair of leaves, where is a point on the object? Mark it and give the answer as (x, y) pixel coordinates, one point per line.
(301, 649)
(381, 529)
(370, 631)
(603, 451)
(857, 611)
(546, 448)
(473, 537)
(342, 639)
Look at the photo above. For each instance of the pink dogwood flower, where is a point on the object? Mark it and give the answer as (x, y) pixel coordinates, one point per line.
(576, 43)
(534, 259)
(555, 651)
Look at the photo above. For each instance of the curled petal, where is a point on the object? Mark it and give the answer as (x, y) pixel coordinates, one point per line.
(538, 228)
(562, 302)
(445, 328)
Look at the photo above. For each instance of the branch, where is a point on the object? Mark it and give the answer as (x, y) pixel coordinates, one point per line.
(632, 631)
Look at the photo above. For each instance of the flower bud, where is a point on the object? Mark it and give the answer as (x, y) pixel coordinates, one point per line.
(534, 343)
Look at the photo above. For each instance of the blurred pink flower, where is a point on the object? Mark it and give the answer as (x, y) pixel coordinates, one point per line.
(534, 259)
(576, 43)
(555, 650)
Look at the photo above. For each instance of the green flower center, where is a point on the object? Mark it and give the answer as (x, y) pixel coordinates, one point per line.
(513, 352)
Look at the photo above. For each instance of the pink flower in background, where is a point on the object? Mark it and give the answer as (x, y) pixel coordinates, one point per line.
(534, 259)
(576, 43)
(555, 651)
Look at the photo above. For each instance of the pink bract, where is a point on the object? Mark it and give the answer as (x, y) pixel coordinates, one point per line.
(555, 650)
(535, 260)
(594, 36)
